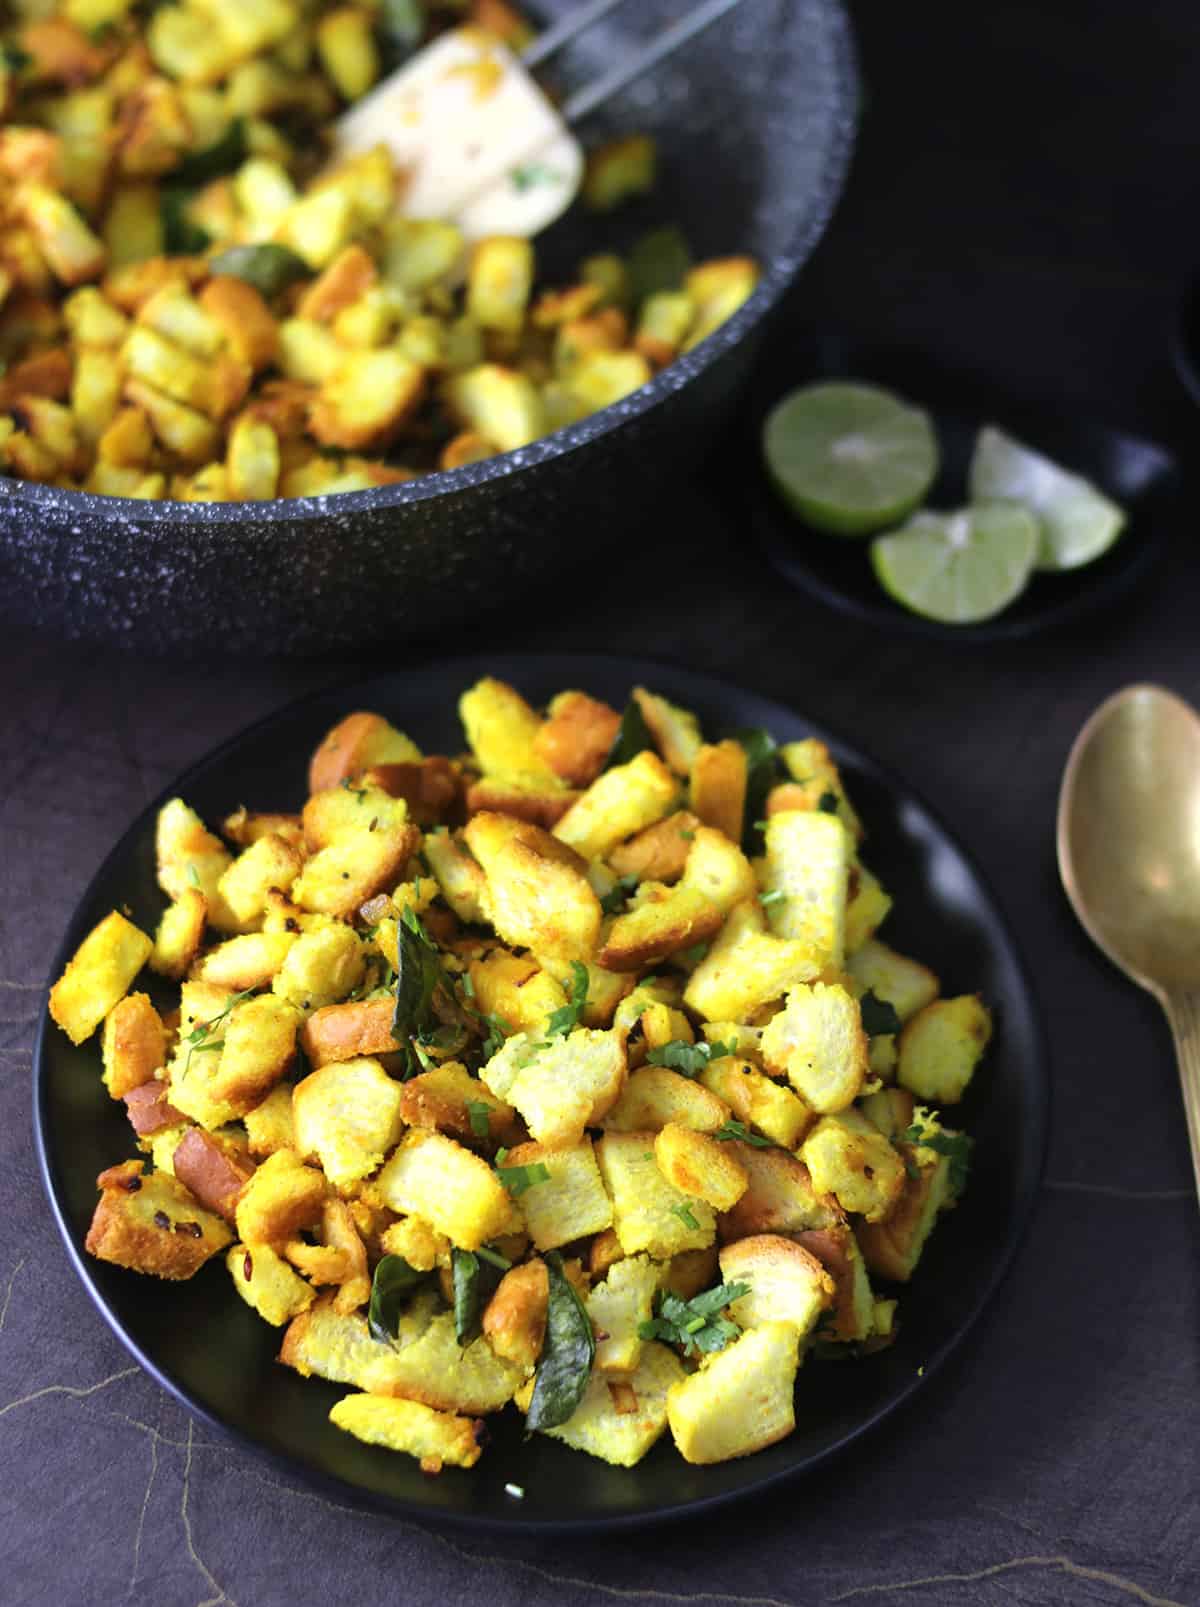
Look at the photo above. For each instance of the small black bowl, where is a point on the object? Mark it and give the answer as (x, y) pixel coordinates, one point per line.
(1140, 475)
(754, 121)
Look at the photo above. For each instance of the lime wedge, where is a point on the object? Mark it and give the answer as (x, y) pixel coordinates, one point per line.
(1078, 522)
(961, 567)
(849, 459)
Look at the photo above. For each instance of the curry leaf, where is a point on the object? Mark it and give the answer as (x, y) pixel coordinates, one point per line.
(827, 803)
(401, 29)
(229, 152)
(567, 1354)
(418, 974)
(633, 736)
(394, 1280)
(879, 1016)
(475, 1276)
(762, 772)
(658, 261)
(269, 267)
(956, 1147)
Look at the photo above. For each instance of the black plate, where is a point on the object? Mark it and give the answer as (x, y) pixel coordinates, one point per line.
(1140, 475)
(210, 1350)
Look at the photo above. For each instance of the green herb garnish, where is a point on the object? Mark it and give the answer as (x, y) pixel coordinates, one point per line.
(566, 1018)
(695, 1325)
(739, 1131)
(686, 1215)
(956, 1147)
(479, 1114)
(394, 1280)
(418, 977)
(658, 261)
(694, 955)
(879, 1017)
(228, 153)
(688, 1059)
(517, 1179)
(775, 896)
(269, 267)
(567, 1353)
(200, 1039)
(619, 893)
(15, 59)
(762, 772)
(401, 30)
(532, 174)
(181, 237)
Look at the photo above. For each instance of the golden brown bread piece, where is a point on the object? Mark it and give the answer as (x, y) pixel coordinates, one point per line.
(346, 1031)
(150, 1109)
(152, 1224)
(216, 1173)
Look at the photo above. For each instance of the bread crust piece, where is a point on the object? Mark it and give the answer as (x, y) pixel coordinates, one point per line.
(356, 742)
(152, 1224)
(215, 1173)
(659, 853)
(577, 738)
(514, 1320)
(150, 1109)
(347, 1031)
(133, 1045)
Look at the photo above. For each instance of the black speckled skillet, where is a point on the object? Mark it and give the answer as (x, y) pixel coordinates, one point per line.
(755, 122)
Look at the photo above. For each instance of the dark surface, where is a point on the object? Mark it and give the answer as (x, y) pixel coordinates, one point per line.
(771, 100)
(943, 914)
(1139, 475)
(1023, 204)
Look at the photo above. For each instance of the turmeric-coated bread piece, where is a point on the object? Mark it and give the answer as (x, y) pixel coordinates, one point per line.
(740, 1400)
(98, 974)
(434, 1438)
(133, 1045)
(281, 1199)
(817, 1042)
(941, 1046)
(347, 1116)
(536, 894)
(150, 1223)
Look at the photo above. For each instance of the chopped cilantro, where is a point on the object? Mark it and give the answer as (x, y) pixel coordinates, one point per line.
(517, 1179)
(534, 173)
(479, 1114)
(566, 1018)
(686, 1215)
(775, 896)
(738, 1130)
(689, 1059)
(621, 889)
(695, 1325)
(956, 1147)
(695, 954)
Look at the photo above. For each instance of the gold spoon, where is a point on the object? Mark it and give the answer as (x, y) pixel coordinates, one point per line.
(1129, 857)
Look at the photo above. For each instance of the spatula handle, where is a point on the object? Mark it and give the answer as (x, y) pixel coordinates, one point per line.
(1183, 1012)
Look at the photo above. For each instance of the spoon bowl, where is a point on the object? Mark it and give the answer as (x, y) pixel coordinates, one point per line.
(1129, 856)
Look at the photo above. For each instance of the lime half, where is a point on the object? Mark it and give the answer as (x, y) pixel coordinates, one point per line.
(849, 459)
(961, 567)
(1078, 522)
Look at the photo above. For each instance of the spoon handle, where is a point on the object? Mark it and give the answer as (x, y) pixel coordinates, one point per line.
(1183, 1012)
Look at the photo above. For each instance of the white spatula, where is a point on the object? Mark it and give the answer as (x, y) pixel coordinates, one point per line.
(478, 139)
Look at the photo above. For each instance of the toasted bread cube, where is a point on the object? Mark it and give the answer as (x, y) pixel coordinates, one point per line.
(269, 1125)
(458, 873)
(699, 1166)
(267, 1284)
(356, 866)
(502, 731)
(514, 988)
(849, 1158)
(433, 1177)
(890, 1110)
(561, 1086)
(941, 1046)
(514, 1321)
(815, 776)
(215, 1167)
(662, 1024)
(618, 1306)
(64, 239)
(624, 800)
(718, 288)
(717, 787)
(320, 968)
(892, 1248)
(180, 933)
(258, 1048)
(787, 1282)
(435, 1369)
(442, 1098)
(250, 961)
(339, 1032)
(619, 169)
(150, 1112)
(348, 1116)
(282, 1198)
(655, 1096)
(338, 811)
(498, 283)
(134, 1044)
(676, 731)
(618, 1421)
(98, 974)
(367, 399)
(740, 1400)
(663, 322)
(150, 1223)
(598, 378)
(189, 855)
(758, 1102)
(746, 967)
(817, 1041)
(421, 1245)
(513, 796)
(183, 430)
(434, 1438)
(571, 1203)
(498, 404)
(660, 853)
(244, 319)
(431, 788)
(605, 989)
(780, 1197)
(807, 862)
(339, 1346)
(717, 868)
(854, 1306)
(649, 1213)
(576, 739)
(537, 894)
(866, 910)
(662, 921)
(252, 460)
(905, 984)
(354, 745)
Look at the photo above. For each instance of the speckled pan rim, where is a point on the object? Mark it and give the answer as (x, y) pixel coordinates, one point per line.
(120, 511)
(685, 684)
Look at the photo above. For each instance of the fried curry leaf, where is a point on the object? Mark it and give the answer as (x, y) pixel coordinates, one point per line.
(735, 1130)
(566, 1018)
(418, 975)
(393, 1282)
(879, 1017)
(658, 261)
(633, 736)
(697, 1324)
(181, 237)
(567, 1354)
(269, 267)
(229, 152)
(475, 1277)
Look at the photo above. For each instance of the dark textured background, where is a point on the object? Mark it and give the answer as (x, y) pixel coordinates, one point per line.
(1024, 203)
